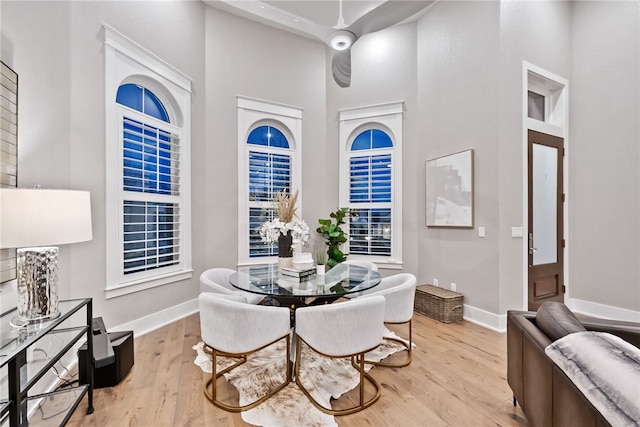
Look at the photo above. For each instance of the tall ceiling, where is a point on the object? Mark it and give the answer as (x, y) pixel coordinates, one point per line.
(338, 23)
(310, 18)
(325, 12)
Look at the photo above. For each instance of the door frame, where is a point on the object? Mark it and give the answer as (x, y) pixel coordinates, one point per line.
(556, 92)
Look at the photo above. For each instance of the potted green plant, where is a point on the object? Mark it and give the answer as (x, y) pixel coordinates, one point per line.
(321, 261)
(334, 235)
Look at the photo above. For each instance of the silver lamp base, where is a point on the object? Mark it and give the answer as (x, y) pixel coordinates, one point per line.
(37, 285)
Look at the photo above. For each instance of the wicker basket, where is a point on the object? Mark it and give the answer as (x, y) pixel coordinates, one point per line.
(438, 303)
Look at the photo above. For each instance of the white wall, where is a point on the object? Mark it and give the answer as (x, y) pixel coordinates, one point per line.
(458, 70)
(539, 33)
(458, 84)
(470, 57)
(252, 60)
(605, 134)
(383, 70)
(57, 50)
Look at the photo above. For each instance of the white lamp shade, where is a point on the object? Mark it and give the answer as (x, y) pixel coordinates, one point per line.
(38, 217)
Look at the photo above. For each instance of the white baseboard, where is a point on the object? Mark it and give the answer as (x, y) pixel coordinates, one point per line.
(604, 311)
(495, 322)
(159, 319)
(498, 322)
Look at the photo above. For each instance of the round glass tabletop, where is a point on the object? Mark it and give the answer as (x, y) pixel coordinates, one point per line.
(265, 279)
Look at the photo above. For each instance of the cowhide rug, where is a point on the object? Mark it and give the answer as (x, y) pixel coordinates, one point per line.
(290, 407)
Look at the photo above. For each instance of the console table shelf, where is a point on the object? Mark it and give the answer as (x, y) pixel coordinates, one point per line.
(23, 374)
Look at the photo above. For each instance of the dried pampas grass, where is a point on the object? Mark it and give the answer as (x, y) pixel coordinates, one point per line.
(286, 206)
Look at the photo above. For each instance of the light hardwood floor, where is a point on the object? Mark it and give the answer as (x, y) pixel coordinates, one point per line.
(457, 378)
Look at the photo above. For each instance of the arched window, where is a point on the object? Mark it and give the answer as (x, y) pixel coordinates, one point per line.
(268, 136)
(268, 162)
(150, 164)
(142, 99)
(370, 182)
(269, 173)
(148, 213)
(370, 193)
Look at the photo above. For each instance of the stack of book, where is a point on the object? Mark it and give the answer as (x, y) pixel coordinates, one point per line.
(299, 274)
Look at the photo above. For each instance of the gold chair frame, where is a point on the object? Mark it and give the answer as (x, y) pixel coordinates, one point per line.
(211, 383)
(363, 376)
(407, 347)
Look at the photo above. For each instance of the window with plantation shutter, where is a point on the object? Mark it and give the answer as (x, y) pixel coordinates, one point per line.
(150, 183)
(269, 173)
(148, 208)
(370, 182)
(370, 194)
(151, 235)
(269, 159)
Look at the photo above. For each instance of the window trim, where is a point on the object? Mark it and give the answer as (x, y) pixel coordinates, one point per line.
(128, 62)
(386, 117)
(253, 113)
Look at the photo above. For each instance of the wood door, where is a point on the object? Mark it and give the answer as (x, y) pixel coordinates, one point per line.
(546, 238)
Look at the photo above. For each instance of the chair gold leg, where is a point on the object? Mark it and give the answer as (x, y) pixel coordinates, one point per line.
(212, 396)
(363, 376)
(407, 347)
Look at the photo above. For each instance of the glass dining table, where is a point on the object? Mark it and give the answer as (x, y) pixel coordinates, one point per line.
(341, 280)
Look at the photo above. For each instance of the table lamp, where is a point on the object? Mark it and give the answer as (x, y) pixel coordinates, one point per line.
(33, 220)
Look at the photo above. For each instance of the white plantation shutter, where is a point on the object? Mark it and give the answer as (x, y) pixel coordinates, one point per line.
(269, 173)
(370, 232)
(151, 159)
(370, 200)
(257, 248)
(151, 235)
(151, 202)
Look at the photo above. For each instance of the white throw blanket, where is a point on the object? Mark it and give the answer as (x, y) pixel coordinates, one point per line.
(606, 369)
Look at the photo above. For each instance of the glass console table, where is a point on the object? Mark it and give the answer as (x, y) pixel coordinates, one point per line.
(23, 374)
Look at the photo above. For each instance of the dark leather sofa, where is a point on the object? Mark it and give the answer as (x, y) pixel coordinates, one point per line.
(545, 394)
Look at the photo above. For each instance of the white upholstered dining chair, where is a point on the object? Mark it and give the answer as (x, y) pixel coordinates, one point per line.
(399, 293)
(232, 328)
(347, 329)
(217, 280)
(361, 263)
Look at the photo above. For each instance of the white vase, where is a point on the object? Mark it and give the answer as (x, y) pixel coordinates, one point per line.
(285, 262)
(320, 269)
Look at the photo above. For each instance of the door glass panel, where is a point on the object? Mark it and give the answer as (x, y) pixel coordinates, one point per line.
(545, 203)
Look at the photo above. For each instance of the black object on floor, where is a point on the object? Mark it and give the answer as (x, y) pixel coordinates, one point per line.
(113, 356)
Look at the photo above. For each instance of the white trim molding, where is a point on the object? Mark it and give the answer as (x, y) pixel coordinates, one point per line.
(159, 319)
(555, 89)
(353, 121)
(253, 113)
(603, 311)
(486, 319)
(128, 62)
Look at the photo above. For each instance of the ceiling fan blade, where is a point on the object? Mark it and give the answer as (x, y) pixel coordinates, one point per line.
(341, 67)
(387, 14)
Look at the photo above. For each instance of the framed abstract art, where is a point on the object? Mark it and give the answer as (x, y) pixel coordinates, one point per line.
(449, 190)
